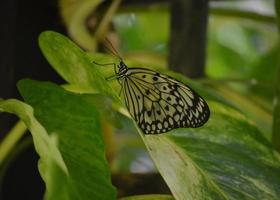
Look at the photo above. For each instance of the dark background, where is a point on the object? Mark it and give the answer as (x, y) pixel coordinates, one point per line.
(20, 57)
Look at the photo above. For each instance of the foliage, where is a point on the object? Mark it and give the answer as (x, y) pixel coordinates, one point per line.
(61, 137)
(231, 157)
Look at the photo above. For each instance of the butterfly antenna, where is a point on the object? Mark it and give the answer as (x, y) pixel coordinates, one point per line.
(112, 50)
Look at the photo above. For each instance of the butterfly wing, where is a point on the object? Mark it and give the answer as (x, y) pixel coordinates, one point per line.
(160, 103)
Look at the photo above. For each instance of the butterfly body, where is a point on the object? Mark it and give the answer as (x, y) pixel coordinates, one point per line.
(159, 103)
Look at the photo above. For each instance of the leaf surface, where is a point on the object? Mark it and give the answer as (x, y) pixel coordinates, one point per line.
(228, 158)
(76, 124)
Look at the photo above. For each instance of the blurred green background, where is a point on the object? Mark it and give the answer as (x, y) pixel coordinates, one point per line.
(241, 67)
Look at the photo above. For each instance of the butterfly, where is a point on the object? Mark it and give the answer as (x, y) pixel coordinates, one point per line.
(159, 103)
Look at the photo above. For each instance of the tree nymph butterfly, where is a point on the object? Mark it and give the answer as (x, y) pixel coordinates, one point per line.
(157, 102)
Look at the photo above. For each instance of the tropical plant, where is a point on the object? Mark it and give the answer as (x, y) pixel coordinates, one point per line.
(76, 127)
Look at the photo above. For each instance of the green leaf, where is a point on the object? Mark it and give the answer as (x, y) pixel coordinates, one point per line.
(72, 63)
(149, 197)
(228, 158)
(248, 106)
(225, 159)
(77, 127)
(75, 14)
(51, 164)
(276, 115)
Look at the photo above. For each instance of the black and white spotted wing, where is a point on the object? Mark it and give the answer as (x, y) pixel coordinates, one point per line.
(160, 103)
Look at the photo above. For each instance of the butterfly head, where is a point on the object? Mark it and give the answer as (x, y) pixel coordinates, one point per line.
(121, 68)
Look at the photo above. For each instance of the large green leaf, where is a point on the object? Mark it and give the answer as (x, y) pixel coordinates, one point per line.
(149, 197)
(276, 112)
(76, 125)
(51, 165)
(228, 158)
(71, 62)
(248, 105)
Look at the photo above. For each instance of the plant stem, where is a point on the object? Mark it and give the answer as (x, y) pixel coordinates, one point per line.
(104, 24)
(11, 140)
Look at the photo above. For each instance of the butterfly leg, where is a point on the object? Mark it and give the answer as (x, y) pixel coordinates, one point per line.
(120, 91)
(104, 64)
(113, 77)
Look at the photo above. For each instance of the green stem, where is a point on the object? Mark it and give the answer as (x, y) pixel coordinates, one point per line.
(104, 24)
(11, 140)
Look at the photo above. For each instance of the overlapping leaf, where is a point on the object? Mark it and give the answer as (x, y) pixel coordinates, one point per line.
(226, 159)
(76, 125)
